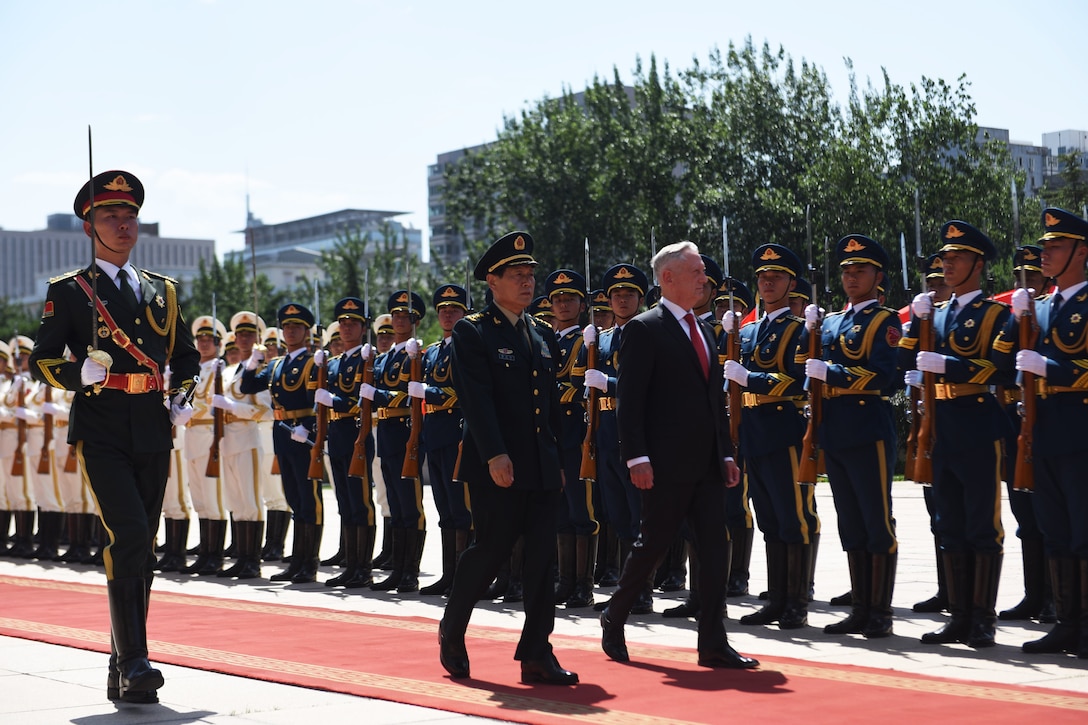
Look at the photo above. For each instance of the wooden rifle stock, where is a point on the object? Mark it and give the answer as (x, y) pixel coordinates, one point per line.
(71, 464)
(358, 466)
(808, 471)
(275, 470)
(18, 465)
(926, 412)
(46, 454)
(212, 469)
(1024, 476)
(912, 435)
(410, 469)
(735, 396)
(317, 466)
(588, 469)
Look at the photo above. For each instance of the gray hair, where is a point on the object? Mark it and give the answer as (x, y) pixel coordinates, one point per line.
(668, 254)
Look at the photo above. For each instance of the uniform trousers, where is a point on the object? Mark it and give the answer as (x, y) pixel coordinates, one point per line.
(861, 478)
(18, 490)
(176, 504)
(622, 503)
(271, 483)
(206, 491)
(450, 497)
(1061, 503)
(967, 498)
(578, 515)
(785, 510)
(352, 495)
(74, 495)
(47, 495)
(303, 494)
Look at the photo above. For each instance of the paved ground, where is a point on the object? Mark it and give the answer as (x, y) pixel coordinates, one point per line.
(49, 684)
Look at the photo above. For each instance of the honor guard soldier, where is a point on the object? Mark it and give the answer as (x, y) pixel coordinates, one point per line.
(390, 396)
(504, 364)
(742, 300)
(7, 423)
(601, 309)
(240, 450)
(289, 378)
(608, 543)
(800, 297)
(124, 326)
(231, 354)
(341, 396)
(206, 492)
(1038, 601)
(625, 286)
(541, 309)
(857, 430)
(772, 425)
(577, 542)
(383, 340)
(177, 505)
(43, 479)
(442, 434)
(706, 307)
(1059, 453)
(332, 342)
(19, 474)
(277, 512)
(969, 427)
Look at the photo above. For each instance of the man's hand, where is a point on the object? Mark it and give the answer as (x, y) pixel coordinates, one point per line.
(412, 346)
(812, 316)
(732, 473)
(922, 305)
(366, 351)
(729, 323)
(1022, 300)
(366, 390)
(642, 476)
(736, 372)
(319, 357)
(299, 434)
(222, 402)
(1029, 361)
(931, 362)
(816, 368)
(255, 360)
(323, 397)
(417, 390)
(589, 334)
(913, 378)
(596, 379)
(180, 410)
(502, 470)
(92, 372)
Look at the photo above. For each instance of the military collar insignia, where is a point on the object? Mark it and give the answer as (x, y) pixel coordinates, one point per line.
(1075, 318)
(160, 301)
(969, 323)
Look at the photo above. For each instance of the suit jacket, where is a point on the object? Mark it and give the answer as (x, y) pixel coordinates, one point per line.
(509, 398)
(665, 409)
(139, 423)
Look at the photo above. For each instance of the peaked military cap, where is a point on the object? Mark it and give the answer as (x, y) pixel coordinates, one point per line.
(775, 258)
(271, 336)
(507, 250)
(599, 301)
(398, 302)
(450, 295)
(565, 281)
(383, 325)
(5, 351)
(207, 325)
(294, 312)
(110, 187)
(960, 236)
(350, 307)
(802, 289)
(1061, 224)
(713, 270)
(1028, 258)
(229, 343)
(653, 297)
(20, 346)
(541, 307)
(624, 275)
(860, 249)
(246, 320)
(741, 293)
(331, 334)
(934, 266)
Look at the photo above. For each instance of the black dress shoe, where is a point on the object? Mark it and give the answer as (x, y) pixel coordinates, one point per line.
(453, 658)
(690, 608)
(612, 640)
(727, 657)
(546, 671)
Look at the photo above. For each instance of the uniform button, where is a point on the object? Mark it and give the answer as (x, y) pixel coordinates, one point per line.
(536, 392)
(538, 411)
(139, 341)
(534, 372)
(138, 322)
(537, 430)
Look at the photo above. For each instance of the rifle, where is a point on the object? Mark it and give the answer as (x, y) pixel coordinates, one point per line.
(18, 464)
(47, 435)
(926, 412)
(212, 469)
(410, 469)
(71, 464)
(1024, 475)
(317, 467)
(809, 469)
(732, 346)
(587, 471)
(366, 375)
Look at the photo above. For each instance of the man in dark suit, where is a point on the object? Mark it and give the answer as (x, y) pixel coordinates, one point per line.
(504, 365)
(118, 422)
(679, 455)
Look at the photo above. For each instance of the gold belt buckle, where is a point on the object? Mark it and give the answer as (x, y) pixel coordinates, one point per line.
(137, 383)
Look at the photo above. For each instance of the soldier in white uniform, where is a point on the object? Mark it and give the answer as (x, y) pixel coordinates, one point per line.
(177, 507)
(6, 425)
(277, 511)
(17, 483)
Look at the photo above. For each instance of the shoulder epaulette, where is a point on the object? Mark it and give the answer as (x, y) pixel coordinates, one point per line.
(538, 324)
(997, 302)
(156, 275)
(66, 275)
(475, 317)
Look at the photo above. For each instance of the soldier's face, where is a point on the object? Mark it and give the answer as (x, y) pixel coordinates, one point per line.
(513, 286)
(351, 332)
(1032, 280)
(774, 286)
(603, 318)
(566, 308)
(206, 346)
(960, 267)
(859, 281)
(245, 339)
(117, 228)
(940, 289)
(625, 302)
(1057, 252)
(402, 323)
(294, 335)
(448, 317)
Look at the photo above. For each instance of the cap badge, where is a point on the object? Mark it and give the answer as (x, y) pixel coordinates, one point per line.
(350, 305)
(1050, 220)
(954, 232)
(519, 243)
(623, 273)
(769, 254)
(291, 310)
(119, 183)
(563, 278)
(853, 246)
(403, 297)
(1030, 255)
(449, 292)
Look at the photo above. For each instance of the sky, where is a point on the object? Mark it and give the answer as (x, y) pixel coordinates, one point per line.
(313, 107)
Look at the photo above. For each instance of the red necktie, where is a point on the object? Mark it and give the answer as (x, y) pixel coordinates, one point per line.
(698, 344)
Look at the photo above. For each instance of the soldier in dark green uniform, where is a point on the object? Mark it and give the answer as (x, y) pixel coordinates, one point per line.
(118, 422)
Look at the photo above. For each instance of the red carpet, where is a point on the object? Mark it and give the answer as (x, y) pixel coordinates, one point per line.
(396, 659)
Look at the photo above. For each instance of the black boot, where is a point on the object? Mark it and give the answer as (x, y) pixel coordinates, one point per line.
(384, 559)
(340, 557)
(217, 538)
(309, 552)
(77, 540)
(565, 563)
(392, 581)
(742, 539)
(611, 557)
(350, 548)
(959, 582)
(1031, 606)
(232, 551)
(514, 590)
(364, 541)
(798, 578)
(880, 596)
(690, 607)
(295, 566)
(5, 528)
(776, 587)
(860, 563)
(671, 575)
(1065, 635)
(414, 540)
(585, 553)
(813, 550)
(983, 600)
(449, 561)
(177, 533)
(49, 524)
(250, 556)
(202, 548)
(24, 536)
(939, 601)
(276, 535)
(128, 623)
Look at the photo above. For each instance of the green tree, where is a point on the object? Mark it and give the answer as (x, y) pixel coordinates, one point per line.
(232, 284)
(1070, 189)
(18, 320)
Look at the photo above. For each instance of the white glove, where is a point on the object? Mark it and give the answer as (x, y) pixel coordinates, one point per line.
(92, 372)
(366, 390)
(931, 362)
(922, 305)
(223, 403)
(736, 372)
(255, 360)
(596, 379)
(417, 390)
(24, 414)
(589, 335)
(180, 411)
(319, 356)
(913, 378)
(1022, 300)
(366, 351)
(815, 368)
(299, 434)
(812, 316)
(1030, 361)
(50, 409)
(323, 397)
(729, 323)
(412, 347)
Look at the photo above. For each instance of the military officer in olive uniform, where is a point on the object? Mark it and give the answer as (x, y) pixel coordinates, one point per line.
(118, 422)
(857, 431)
(969, 428)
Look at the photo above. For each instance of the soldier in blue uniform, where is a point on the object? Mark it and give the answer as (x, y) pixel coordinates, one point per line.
(578, 528)
(390, 396)
(123, 330)
(601, 309)
(857, 431)
(292, 383)
(1060, 452)
(969, 429)
(353, 496)
(625, 286)
(772, 425)
(442, 434)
